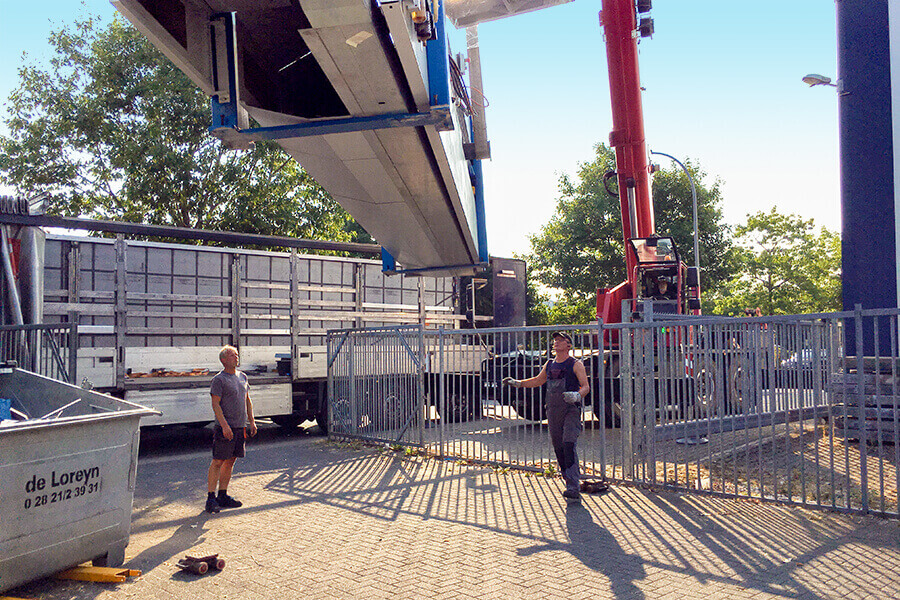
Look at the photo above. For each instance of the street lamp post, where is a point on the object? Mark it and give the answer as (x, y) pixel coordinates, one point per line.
(814, 79)
(694, 197)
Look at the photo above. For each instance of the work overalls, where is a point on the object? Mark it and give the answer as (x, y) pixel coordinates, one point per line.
(564, 419)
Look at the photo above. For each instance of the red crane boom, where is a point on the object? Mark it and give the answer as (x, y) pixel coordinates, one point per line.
(647, 263)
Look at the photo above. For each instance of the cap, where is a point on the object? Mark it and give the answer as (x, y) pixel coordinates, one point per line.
(563, 335)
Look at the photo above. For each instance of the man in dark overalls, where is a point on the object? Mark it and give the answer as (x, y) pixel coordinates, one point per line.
(567, 384)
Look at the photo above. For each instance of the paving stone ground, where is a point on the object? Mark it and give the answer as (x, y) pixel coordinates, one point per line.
(341, 521)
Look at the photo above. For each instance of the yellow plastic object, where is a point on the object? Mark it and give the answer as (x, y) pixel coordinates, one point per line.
(101, 574)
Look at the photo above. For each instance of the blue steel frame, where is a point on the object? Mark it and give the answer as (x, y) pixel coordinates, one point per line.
(439, 97)
(225, 114)
(225, 122)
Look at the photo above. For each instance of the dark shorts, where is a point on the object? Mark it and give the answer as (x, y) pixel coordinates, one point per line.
(224, 449)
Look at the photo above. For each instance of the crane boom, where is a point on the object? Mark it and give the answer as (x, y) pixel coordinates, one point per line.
(627, 136)
(649, 259)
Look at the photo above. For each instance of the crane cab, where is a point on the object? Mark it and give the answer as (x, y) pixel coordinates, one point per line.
(659, 275)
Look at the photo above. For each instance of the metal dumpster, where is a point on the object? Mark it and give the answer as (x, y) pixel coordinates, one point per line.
(68, 462)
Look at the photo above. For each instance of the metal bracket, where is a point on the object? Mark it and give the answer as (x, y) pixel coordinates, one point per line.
(475, 267)
(438, 116)
(225, 100)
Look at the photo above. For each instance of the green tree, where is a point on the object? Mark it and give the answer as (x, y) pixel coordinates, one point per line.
(787, 267)
(581, 248)
(112, 130)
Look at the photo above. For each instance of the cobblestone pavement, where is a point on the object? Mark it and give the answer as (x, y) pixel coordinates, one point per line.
(328, 520)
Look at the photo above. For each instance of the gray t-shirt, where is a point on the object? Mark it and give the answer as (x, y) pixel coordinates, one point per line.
(232, 389)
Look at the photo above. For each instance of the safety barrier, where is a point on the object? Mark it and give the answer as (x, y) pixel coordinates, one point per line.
(770, 408)
(48, 350)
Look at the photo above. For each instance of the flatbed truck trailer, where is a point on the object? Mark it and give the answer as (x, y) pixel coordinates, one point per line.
(152, 318)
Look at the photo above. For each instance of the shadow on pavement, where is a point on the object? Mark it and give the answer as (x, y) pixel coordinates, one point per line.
(597, 549)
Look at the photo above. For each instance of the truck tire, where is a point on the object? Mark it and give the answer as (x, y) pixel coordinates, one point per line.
(612, 409)
(289, 422)
(531, 409)
(462, 407)
(322, 421)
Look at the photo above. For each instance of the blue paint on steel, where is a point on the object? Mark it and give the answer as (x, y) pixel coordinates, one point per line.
(480, 224)
(225, 114)
(868, 208)
(438, 118)
(424, 270)
(388, 264)
(438, 62)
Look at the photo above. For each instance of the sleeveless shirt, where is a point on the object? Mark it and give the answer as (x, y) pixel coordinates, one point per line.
(564, 370)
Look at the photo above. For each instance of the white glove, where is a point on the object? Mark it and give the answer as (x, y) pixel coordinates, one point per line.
(512, 382)
(572, 397)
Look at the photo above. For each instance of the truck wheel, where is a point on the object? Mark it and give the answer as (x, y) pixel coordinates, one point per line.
(322, 421)
(289, 422)
(736, 400)
(612, 409)
(531, 409)
(387, 414)
(463, 407)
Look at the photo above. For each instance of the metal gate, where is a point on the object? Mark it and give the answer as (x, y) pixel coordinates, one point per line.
(774, 408)
(376, 385)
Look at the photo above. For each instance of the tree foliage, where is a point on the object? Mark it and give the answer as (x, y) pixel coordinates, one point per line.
(582, 247)
(112, 130)
(787, 267)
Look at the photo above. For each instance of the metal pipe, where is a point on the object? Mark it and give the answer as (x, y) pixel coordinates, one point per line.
(632, 212)
(11, 289)
(694, 199)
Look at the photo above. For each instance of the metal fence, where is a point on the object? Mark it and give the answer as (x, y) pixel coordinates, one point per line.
(375, 384)
(49, 350)
(771, 408)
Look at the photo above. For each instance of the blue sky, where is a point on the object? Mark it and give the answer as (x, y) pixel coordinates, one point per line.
(722, 86)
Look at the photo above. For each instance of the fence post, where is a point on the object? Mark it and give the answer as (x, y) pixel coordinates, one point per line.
(861, 401)
(329, 382)
(294, 295)
(73, 353)
(121, 317)
(422, 374)
(236, 300)
(600, 401)
(354, 413)
(439, 400)
(626, 381)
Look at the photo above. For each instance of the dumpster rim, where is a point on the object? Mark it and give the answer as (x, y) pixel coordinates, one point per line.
(137, 410)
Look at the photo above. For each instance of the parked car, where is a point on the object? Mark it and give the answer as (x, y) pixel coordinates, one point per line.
(519, 364)
(800, 369)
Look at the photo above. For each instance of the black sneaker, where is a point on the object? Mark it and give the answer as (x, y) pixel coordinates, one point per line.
(571, 496)
(226, 501)
(212, 506)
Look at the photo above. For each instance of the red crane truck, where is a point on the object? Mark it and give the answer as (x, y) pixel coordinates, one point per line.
(650, 260)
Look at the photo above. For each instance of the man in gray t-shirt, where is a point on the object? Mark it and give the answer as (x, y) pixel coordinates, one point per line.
(230, 392)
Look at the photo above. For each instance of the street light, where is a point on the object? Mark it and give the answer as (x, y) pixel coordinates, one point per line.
(814, 79)
(694, 197)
